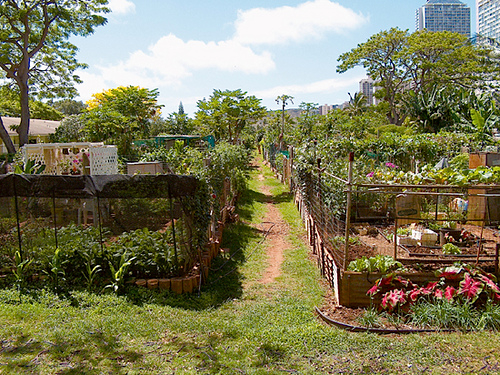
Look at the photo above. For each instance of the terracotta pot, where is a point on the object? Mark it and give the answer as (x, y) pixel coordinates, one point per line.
(152, 283)
(141, 282)
(164, 284)
(195, 280)
(187, 285)
(176, 285)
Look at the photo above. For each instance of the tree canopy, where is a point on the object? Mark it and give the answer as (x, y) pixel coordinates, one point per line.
(121, 114)
(403, 62)
(226, 113)
(34, 49)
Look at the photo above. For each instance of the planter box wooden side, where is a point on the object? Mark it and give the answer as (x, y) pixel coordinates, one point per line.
(354, 285)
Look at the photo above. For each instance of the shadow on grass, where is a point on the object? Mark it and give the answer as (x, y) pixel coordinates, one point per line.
(24, 354)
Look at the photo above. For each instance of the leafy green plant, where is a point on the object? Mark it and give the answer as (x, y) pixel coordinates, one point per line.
(90, 273)
(119, 273)
(378, 263)
(20, 269)
(30, 167)
(338, 241)
(451, 249)
(56, 271)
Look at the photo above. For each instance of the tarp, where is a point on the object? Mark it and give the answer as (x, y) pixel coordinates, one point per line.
(102, 186)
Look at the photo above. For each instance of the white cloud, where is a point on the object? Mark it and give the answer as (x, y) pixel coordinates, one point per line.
(333, 86)
(121, 6)
(284, 24)
(92, 83)
(171, 59)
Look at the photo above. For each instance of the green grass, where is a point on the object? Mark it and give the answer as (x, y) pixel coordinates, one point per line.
(235, 326)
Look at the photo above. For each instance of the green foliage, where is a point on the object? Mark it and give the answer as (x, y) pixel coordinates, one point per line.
(225, 114)
(378, 263)
(425, 61)
(72, 129)
(120, 115)
(30, 167)
(451, 249)
(44, 63)
(119, 273)
(152, 254)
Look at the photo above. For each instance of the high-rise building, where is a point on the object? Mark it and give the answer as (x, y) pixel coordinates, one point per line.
(444, 15)
(325, 109)
(367, 88)
(488, 18)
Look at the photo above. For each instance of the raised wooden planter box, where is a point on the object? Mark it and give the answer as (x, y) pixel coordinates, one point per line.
(191, 282)
(354, 285)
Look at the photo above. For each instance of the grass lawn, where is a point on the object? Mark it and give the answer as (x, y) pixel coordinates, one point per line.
(237, 325)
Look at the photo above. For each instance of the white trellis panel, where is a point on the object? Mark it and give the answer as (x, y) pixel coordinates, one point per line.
(103, 160)
(73, 158)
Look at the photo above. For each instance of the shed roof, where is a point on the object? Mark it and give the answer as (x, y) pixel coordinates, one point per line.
(37, 127)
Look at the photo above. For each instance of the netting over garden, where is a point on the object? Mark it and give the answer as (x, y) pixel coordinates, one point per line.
(73, 224)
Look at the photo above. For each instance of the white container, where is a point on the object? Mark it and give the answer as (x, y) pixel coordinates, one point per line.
(425, 237)
(407, 241)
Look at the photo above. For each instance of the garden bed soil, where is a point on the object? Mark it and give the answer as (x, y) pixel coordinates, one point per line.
(376, 244)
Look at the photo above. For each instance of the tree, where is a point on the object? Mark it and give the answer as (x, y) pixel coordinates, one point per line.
(69, 106)
(381, 56)
(119, 115)
(284, 100)
(179, 122)
(10, 106)
(403, 62)
(72, 129)
(306, 122)
(226, 113)
(34, 49)
(357, 104)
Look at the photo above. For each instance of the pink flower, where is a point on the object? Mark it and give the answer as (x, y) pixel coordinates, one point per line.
(414, 294)
(370, 175)
(470, 287)
(438, 293)
(449, 293)
(373, 290)
(391, 165)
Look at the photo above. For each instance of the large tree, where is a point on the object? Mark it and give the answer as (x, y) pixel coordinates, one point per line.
(34, 49)
(226, 113)
(403, 62)
(120, 115)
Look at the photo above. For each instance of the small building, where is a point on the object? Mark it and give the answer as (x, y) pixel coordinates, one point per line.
(39, 132)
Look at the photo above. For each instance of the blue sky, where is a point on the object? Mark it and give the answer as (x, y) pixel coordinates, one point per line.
(186, 49)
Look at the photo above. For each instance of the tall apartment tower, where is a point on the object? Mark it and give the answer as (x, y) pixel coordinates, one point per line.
(444, 15)
(367, 88)
(488, 18)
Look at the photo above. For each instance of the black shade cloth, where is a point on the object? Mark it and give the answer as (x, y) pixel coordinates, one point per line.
(102, 186)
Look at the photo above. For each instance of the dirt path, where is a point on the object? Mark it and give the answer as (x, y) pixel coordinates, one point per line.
(277, 231)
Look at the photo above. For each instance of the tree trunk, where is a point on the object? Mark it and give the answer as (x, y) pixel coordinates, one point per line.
(24, 126)
(4, 135)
